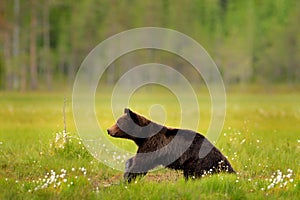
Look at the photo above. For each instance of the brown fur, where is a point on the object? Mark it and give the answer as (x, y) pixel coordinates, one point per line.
(177, 149)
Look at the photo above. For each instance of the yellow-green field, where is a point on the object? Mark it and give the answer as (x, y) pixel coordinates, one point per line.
(261, 137)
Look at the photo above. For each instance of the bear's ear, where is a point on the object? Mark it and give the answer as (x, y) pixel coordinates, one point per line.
(127, 111)
(132, 115)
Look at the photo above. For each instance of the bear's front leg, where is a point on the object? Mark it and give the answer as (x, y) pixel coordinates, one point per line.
(137, 166)
(128, 176)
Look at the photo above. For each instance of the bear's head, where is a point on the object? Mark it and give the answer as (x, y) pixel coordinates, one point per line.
(133, 126)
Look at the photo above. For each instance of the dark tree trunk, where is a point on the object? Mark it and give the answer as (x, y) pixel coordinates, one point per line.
(33, 56)
(46, 47)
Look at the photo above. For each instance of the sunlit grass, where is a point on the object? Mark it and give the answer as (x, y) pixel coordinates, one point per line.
(261, 138)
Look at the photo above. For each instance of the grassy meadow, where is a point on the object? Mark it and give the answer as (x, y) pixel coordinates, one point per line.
(261, 137)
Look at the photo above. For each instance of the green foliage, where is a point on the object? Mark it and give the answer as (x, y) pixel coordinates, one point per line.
(251, 41)
(68, 146)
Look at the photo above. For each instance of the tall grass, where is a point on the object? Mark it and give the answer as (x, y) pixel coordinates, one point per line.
(261, 138)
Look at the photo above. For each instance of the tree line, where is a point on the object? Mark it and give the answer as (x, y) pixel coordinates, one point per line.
(43, 42)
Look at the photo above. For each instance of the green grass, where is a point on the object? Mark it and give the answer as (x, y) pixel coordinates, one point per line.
(261, 135)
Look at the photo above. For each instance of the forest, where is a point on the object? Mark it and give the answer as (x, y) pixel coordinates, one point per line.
(43, 42)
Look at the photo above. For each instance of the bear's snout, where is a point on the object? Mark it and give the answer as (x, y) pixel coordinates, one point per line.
(113, 131)
(110, 132)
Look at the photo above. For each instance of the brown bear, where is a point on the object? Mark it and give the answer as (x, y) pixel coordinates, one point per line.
(173, 148)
